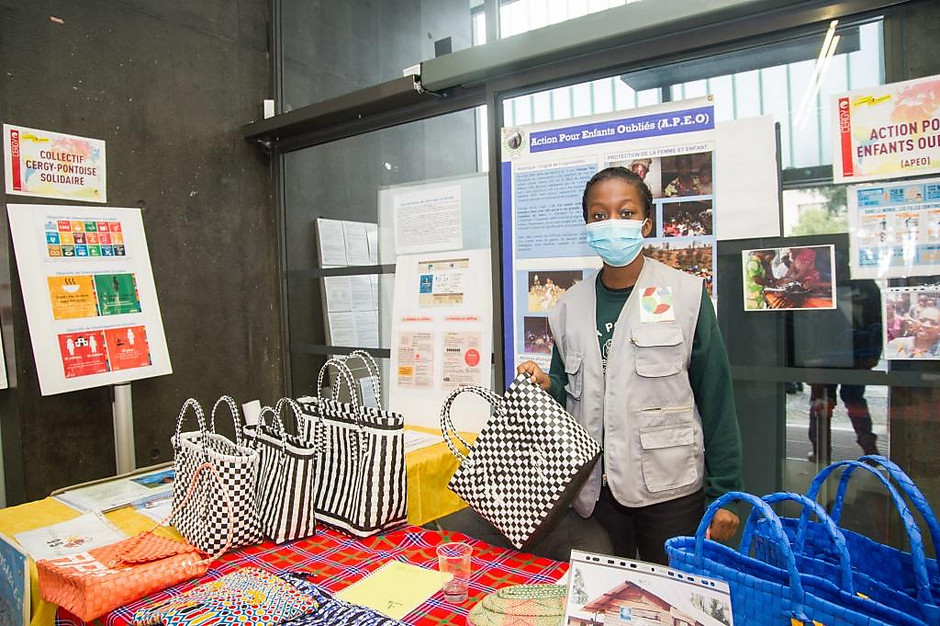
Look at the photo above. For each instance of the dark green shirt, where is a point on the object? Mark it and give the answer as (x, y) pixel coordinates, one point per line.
(709, 377)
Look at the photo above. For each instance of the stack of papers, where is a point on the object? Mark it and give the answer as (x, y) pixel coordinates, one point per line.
(395, 589)
(81, 534)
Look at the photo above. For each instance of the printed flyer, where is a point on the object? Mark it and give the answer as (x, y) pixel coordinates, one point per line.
(889, 131)
(46, 164)
(91, 303)
(894, 229)
(544, 170)
(441, 336)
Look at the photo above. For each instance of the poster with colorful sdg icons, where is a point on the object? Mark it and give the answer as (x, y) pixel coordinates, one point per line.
(84, 238)
(89, 294)
(106, 350)
(96, 295)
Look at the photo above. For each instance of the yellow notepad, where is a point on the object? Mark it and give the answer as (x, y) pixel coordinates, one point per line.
(395, 589)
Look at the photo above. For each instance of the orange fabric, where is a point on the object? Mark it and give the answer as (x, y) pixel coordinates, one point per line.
(93, 583)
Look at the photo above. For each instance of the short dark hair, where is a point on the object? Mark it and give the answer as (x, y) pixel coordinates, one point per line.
(626, 175)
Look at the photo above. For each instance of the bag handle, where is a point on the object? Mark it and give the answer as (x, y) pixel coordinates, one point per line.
(374, 375)
(189, 494)
(307, 430)
(278, 427)
(919, 562)
(448, 430)
(908, 487)
(838, 539)
(236, 416)
(200, 419)
(779, 538)
(347, 377)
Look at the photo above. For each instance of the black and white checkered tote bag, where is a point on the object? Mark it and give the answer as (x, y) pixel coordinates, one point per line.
(361, 487)
(287, 476)
(527, 463)
(205, 524)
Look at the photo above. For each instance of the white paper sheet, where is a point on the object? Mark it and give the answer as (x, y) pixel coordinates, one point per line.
(91, 530)
(415, 440)
(343, 329)
(360, 288)
(119, 492)
(746, 183)
(372, 236)
(332, 243)
(357, 243)
(3, 368)
(338, 294)
(428, 220)
(367, 328)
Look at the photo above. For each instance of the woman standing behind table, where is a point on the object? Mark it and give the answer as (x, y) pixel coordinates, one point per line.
(648, 376)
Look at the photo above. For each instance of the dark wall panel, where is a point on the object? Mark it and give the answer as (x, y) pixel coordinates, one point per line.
(168, 86)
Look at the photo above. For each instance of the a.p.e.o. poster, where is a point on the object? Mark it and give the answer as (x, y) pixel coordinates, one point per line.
(90, 298)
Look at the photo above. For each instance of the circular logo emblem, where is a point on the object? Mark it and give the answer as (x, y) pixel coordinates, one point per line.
(472, 357)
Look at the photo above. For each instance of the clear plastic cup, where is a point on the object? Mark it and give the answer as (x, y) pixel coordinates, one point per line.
(454, 559)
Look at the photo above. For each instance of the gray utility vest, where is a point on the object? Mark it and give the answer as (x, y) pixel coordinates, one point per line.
(644, 414)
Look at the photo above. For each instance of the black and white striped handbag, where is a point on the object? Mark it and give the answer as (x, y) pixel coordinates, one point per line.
(287, 475)
(205, 523)
(526, 465)
(361, 486)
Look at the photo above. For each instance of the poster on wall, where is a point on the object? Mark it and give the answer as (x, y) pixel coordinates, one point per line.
(912, 323)
(894, 229)
(46, 164)
(441, 336)
(91, 303)
(793, 279)
(544, 170)
(888, 131)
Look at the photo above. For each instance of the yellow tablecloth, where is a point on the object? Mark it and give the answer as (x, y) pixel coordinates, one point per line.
(429, 469)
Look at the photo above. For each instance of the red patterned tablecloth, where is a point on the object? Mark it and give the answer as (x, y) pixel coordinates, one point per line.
(338, 560)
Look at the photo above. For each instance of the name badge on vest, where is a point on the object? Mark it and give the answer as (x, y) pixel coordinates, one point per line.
(656, 305)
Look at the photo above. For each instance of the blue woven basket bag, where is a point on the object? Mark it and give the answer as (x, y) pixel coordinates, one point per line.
(764, 594)
(838, 565)
(907, 581)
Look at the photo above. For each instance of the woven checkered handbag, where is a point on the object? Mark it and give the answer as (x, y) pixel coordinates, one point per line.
(205, 524)
(907, 581)
(287, 475)
(767, 595)
(361, 485)
(526, 465)
(90, 584)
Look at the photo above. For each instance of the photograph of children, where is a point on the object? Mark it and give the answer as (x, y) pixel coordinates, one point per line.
(795, 279)
(911, 323)
(538, 338)
(687, 219)
(602, 590)
(691, 257)
(546, 287)
(687, 175)
(647, 168)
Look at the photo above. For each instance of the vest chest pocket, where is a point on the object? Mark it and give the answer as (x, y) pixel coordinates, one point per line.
(668, 457)
(575, 373)
(660, 350)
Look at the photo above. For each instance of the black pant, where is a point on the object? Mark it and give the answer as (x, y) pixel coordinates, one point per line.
(645, 529)
(822, 401)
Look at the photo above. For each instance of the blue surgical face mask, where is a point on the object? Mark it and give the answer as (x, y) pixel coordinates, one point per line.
(618, 242)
